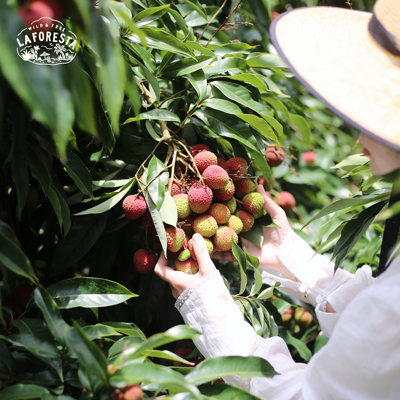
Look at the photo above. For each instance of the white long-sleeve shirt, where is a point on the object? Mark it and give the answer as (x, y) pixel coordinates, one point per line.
(362, 357)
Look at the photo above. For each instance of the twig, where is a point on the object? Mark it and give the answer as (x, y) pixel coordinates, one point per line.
(211, 20)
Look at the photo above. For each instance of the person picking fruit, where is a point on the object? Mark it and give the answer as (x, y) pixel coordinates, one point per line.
(351, 61)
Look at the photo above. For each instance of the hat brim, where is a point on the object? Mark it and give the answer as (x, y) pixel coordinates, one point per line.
(332, 53)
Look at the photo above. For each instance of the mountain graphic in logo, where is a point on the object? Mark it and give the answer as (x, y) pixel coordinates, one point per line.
(47, 41)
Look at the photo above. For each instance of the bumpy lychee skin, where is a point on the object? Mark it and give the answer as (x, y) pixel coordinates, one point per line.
(235, 223)
(237, 167)
(244, 186)
(209, 244)
(206, 225)
(286, 200)
(222, 163)
(220, 212)
(223, 238)
(144, 261)
(184, 255)
(215, 177)
(253, 202)
(200, 198)
(275, 156)
(188, 266)
(197, 148)
(134, 207)
(175, 188)
(204, 159)
(247, 220)
(231, 204)
(225, 193)
(182, 205)
(175, 238)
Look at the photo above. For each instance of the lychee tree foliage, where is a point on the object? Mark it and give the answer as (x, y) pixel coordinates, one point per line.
(150, 80)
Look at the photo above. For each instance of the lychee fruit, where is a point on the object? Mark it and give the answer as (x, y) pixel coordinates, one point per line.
(197, 148)
(235, 223)
(215, 177)
(253, 202)
(175, 238)
(231, 204)
(134, 206)
(144, 261)
(285, 200)
(35, 10)
(209, 244)
(220, 212)
(275, 156)
(222, 163)
(225, 193)
(182, 205)
(204, 159)
(223, 238)
(200, 198)
(184, 255)
(247, 220)
(237, 167)
(259, 214)
(287, 315)
(188, 266)
(206, 225)
(175, 188)
(133, 392)
(244, 186)
(309, 157)
(274, 15)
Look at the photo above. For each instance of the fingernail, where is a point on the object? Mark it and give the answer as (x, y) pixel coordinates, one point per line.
(196, 237)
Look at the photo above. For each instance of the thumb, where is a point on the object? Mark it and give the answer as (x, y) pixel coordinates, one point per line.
(202, 256)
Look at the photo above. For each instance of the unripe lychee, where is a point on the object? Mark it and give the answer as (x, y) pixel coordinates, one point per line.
(286, 200)
(206, 225)
(275, 156)
(204, 159)
(247, 220)
(134, 207)
(253, 202)
(223, 238)
(309, 157)
(209, 244)
(287, 315)
(175, 238)
(235, 223)
(188, 266)
(200, 198)
(237, 167)
(175, 188)
(182, 205)
(197, 148)
(144, 261)
(244, 186)
(259, 214)
(215, 177)
(184, 255)
(220, 212)
(225, 193)
(231, 204)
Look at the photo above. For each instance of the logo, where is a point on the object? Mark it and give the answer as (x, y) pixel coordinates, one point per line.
(47, 41)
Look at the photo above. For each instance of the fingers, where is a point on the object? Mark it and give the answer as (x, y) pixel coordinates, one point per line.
(164, 271)
(202, 256)
(277, 213)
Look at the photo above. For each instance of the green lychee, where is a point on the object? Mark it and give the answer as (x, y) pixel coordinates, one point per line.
(231, 204)
(235, 223)
(209, 244)
(215, 177)
(200, 198)
(182, 205)
(247, 219)
(220, 212)
(206, 225)
(175, 238)
(184, 255)
(253, 202)
(223, 238)
(188, 266)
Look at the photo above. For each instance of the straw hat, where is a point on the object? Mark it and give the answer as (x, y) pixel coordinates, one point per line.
(350, 60)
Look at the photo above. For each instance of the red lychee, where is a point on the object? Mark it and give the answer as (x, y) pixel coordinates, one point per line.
(225, 193)
(222, 163)
(200, 198)
(274, 15)
(144, 261)
(220, 212)
(244, 186)
(189, 266)
(237, 167)
(309, 157)
(204, 159)
(134, 206)
(35, 10)
(215, 177)
(133, 392)
(197, 148)
(175, 238)
(175, 188)
(247, 220)
(223, 238)
(275, 156)
(286, 200)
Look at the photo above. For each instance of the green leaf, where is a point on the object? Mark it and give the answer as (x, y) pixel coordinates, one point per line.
(220, 391)
(89, 355)
(302, 124)
(150, 14)
(99, 331)
(225, 106)
(265, 61)
(156, 188)
(260, 125)
(11, 254)
(199, 82)
(351, 162)
(158, 114)
(168, 210)
(22, 391)
(214, 368)
(267, 293)
(304, 352)
(257, 282)
(88, 292)
(251, 78)
(60, 208)
(241, 258)
(126, 328)
(186, 66)
(197, 8)
(233, 48)
(79, 173)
